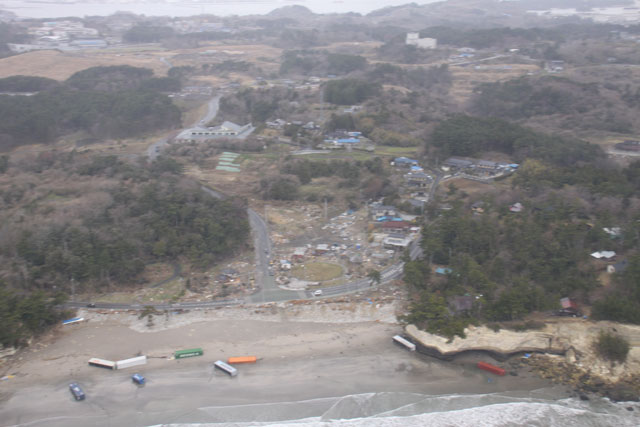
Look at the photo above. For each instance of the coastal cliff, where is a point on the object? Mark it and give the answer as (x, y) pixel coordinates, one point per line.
(501, 344)
(564, 352)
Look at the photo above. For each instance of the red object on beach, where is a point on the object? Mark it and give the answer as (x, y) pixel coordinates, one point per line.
(242, 359)
(490, 368)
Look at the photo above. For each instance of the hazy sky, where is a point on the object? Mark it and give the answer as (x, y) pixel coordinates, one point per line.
(59, 8)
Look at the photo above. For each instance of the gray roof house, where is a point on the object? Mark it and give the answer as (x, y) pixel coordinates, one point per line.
(458, 163)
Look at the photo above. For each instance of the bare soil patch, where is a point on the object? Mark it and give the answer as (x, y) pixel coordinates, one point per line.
(158, 272)
(468, 186)
(61, 65)
(317, 271)
(465, 79)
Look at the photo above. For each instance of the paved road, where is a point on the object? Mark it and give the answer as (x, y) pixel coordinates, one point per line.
(388, 274)
(305, 152)
(269, 291)
(465, 63)
(164, 306)
(154, 150)
(166, 62)
(434, 186)
(415, 250)
(214, 105)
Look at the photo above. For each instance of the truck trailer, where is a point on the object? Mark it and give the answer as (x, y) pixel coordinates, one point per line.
(102, 363)
(241, 359)
(134, 361)
(192, 352)
(228, 369)
(404, 342)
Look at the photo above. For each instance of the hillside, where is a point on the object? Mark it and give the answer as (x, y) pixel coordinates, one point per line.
(98, 222)
(102, 102)
(560, 103)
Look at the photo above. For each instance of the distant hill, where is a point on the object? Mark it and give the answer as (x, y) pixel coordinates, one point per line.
(480, 13)
(293, 11)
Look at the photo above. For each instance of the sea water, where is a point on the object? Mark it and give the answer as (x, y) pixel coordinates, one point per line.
(536, 408)
(55, 9)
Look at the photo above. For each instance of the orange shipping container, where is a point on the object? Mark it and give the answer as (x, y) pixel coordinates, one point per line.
(490, 368)
(242, 359)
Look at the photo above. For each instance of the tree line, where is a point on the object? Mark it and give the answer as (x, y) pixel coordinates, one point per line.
(577, 105)
(320, 63)
(464, 135)
(365, 178)
(350, 91)
(24, 316)
(103, 102)
(151, 215)
(514, 263)
(511, 264)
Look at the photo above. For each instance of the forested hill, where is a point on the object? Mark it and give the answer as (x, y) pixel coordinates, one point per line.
(114, 102)
(100, 221)
(561, 103)
(522, 245)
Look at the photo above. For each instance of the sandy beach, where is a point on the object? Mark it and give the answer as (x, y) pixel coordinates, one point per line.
(307, 353)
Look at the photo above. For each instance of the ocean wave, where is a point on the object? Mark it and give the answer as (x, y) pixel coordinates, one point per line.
(417, 410)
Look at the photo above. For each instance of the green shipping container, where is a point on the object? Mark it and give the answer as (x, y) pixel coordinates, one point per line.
(193, 352)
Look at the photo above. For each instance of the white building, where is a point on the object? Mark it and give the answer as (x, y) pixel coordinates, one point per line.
(413, 39)
(226, 129)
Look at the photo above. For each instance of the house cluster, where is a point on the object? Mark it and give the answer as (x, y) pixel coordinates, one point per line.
(342, 240)
(342, 139)
(279, 124)
(609, 259)
(555, 66)
(225, 130)
(303, 253)
(391, 228)
(414, 176)
(227, 275)
(66, 35)
(353, 109)
(476, 168)
(193, 92)
(628, 145)
(311, 83)
(187, 26)
(464, 53)
(417, 183)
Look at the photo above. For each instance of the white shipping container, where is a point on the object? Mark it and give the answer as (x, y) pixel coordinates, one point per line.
(226, 368)
(134, 361)
(406, 343)
(102, 363)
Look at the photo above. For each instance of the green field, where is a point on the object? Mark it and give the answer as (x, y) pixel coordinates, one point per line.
(317, 271)
(384, 150)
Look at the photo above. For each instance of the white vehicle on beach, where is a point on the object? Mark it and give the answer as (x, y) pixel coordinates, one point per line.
(226, 368)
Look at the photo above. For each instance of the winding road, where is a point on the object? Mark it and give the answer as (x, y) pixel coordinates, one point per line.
(269, 291)
(156, 148)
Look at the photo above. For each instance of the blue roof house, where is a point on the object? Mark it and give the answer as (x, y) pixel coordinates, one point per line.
(404, 161)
